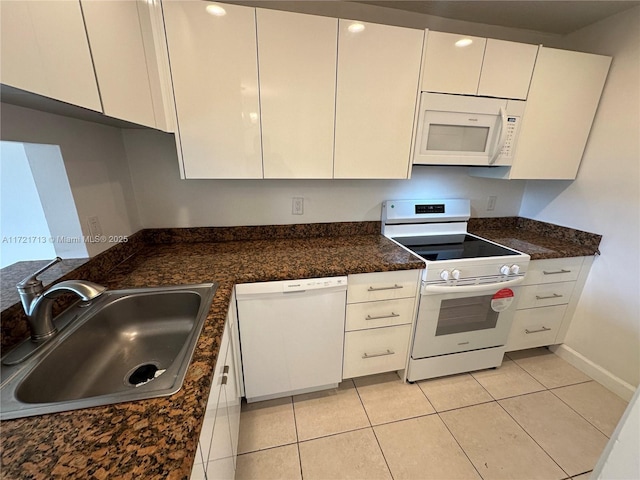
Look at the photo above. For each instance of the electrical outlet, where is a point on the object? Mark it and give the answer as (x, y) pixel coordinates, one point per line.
(297, 206)
(95, 229)
(491, 203)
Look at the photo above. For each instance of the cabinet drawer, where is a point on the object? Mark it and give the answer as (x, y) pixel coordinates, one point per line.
(375, 351)
(553, 270)
(367, 287)
(384, 313)
(545, 294)
(535, 327)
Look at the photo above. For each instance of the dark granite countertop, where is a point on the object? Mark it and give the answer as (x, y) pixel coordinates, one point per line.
(157, 438)
(540, 240)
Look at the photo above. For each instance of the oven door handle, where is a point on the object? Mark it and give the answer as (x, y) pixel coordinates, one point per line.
(472, 288)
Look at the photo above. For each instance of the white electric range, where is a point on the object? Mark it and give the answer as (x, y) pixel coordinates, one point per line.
(469, 288)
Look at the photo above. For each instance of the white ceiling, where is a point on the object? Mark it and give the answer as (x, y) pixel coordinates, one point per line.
(549, 16)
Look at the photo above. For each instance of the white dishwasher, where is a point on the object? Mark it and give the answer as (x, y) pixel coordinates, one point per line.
(291, 335)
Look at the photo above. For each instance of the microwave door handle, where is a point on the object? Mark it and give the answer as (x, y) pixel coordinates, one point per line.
(503, 136)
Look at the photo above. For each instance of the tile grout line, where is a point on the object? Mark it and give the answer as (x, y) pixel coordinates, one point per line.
(496, 400)
(482, 386)
(458, 443)
(417, 382)
(527, 372)
(295, 424)
(550, 389)
(372, 429)
(574, 410)
(447, 427)
(534, 440)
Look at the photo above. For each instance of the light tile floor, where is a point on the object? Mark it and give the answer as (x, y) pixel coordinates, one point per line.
(536, 417)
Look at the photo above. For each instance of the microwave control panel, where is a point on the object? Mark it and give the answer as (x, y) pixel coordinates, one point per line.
(512, 128)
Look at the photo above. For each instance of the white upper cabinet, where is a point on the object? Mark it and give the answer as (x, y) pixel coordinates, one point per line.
(119, 58)
(214, 69)
(507, 69)
(467, 65)
(564, 95)
(378, 74)
(452, 63)
(158, 69)
(45, 51)
(297, 66)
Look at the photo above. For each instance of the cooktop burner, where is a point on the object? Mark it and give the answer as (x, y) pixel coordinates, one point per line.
(452, 247)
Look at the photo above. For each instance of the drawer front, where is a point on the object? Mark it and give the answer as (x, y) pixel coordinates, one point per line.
(545, 294)
(553, 270)
(375, 351)
(384, 313)
(535, 327)
(368, 287)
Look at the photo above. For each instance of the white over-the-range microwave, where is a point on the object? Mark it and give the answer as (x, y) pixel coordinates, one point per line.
(466, 130)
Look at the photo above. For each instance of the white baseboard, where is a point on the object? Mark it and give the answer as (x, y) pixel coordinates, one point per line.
(604, 377)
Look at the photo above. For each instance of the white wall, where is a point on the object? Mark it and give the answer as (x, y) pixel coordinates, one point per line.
(605, 199)
(22, 213)
(50, 175)
(166, 201)
(95, 162)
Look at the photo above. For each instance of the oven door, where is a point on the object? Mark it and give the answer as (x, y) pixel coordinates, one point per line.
(462, 321)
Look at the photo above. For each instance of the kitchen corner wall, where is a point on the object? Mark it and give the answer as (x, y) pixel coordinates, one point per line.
(605, 199)
(95, 163)
(166, 201)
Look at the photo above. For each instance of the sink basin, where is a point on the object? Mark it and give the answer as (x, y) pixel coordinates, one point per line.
(126, 345)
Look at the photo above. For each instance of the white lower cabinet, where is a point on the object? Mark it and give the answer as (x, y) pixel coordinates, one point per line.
(375, 350)
(218, 443)
(381, 308)
(547, 301)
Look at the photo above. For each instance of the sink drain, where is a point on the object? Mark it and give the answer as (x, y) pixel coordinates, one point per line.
(143, 374)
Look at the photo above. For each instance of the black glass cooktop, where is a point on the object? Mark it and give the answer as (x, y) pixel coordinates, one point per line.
(451, 247)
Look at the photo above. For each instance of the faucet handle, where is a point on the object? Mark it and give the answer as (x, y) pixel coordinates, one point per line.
(31, 281)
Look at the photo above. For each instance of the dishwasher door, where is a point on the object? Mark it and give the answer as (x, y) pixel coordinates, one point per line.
(291, 336)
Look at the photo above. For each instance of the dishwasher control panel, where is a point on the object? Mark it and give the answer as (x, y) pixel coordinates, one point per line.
(313, 284)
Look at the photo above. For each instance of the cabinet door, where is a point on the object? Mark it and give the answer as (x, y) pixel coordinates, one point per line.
(119, 58)
(45, 51)
(221, 462)
(155, 46)
(214, 69)
(208, 425)
(21, 66)
(297, 65)
(451, 63)
(215, 436)
(507, 69)
(378, 71)
(563, 98)
(233, 389)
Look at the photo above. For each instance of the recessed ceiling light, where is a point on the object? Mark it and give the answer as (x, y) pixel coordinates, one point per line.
(216, 10)
(355, 27)
(464, 42)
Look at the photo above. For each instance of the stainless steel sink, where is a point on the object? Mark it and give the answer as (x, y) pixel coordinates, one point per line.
(126, 345)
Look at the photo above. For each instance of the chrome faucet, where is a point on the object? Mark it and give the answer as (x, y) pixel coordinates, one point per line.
(38, 302)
